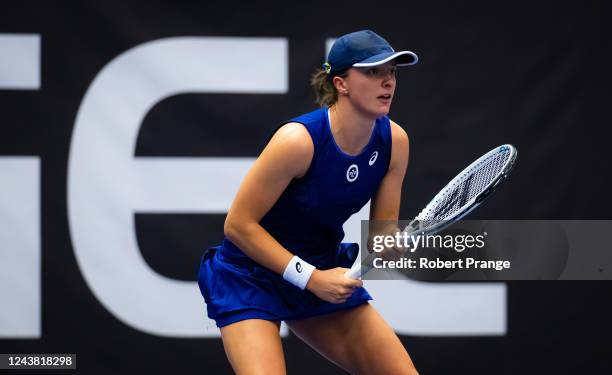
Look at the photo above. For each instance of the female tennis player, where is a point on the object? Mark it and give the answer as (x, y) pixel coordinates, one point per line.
(282, 258)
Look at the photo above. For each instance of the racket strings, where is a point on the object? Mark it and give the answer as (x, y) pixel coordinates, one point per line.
(487, 172)
(470, 184)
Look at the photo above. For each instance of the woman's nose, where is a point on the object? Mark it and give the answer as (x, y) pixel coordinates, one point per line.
(389, 80)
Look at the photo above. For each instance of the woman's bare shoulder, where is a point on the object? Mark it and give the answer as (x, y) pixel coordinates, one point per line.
(398, 133)
(291, 146)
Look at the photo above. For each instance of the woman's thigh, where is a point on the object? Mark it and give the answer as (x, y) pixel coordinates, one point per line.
(356, 339)
(253, 346)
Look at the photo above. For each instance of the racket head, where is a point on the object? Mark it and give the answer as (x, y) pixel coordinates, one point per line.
(468, 189)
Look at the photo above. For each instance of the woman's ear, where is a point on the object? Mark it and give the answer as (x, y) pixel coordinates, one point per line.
(340, 84)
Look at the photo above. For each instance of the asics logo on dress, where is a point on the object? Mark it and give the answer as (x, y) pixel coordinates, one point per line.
(352, 173)
(373, 158)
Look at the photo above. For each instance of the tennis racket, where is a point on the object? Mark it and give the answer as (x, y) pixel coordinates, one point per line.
(458, 198)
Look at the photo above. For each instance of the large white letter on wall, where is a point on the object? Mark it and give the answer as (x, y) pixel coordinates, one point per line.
(20, 268)
(20, 247)
(107, 185)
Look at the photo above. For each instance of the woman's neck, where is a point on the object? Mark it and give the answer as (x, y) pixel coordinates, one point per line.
(351, 130)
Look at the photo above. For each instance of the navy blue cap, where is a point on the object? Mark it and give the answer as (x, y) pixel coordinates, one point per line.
(363, 49)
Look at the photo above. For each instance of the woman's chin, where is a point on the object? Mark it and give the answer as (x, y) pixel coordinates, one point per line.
(376, 110)
(382, 110)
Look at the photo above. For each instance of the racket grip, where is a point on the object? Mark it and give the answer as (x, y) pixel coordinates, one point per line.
(355, 271)
(360, 267)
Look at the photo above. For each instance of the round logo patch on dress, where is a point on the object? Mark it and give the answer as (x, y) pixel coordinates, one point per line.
(352, 172)
(373, 158)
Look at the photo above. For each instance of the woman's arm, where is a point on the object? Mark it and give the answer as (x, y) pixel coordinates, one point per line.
(288, 155)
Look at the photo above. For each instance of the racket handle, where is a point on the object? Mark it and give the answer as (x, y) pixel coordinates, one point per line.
(355, 271)
(360, 268)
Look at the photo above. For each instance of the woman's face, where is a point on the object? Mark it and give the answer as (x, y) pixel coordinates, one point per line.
(371, 89)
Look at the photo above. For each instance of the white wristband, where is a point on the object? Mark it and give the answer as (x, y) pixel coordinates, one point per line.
(298, 272)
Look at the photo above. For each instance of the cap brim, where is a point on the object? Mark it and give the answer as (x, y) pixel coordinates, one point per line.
(402, 58)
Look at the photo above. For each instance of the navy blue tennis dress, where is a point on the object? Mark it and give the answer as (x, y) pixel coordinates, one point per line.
(307, 220)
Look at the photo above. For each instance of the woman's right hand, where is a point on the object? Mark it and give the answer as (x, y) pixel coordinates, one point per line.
(332, 285)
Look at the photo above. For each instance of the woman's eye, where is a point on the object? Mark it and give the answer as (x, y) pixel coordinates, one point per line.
(373, 71)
